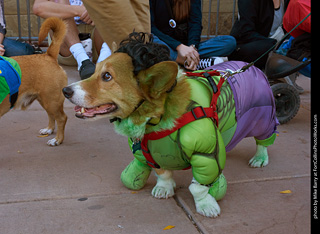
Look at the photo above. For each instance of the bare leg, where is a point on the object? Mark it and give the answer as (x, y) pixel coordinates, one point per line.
(98, 41)
(72, 36)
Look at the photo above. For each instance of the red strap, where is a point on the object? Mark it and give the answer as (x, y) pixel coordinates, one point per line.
(195, 114)
(200, 74)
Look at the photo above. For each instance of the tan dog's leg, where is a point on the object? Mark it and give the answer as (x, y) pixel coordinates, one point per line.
(165, 184)
(5, 106)
(55, 113)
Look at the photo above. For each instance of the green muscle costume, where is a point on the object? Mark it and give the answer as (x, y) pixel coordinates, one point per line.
(245, 108)
(199, 143)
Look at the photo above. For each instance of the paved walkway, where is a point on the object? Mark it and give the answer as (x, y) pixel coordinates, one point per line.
(75, 188)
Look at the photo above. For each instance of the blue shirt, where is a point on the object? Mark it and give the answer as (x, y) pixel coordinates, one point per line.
(12, 78)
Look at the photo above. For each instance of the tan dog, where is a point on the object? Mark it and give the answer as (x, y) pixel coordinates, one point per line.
(42, 79)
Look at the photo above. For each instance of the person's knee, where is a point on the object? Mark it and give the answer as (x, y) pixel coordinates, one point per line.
(267, 44)
(231, 44)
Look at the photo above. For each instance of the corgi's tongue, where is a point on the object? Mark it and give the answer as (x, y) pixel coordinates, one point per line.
(82, 112)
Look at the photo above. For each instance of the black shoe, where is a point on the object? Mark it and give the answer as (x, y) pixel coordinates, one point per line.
(291, 80)
(87, 69)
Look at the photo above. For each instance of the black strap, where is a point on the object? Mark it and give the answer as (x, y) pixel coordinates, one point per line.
(211, 82)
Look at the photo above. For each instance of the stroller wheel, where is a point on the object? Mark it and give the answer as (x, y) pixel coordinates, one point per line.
(287, 101)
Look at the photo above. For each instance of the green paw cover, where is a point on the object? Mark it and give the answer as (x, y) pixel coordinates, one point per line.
(135, 175)
(219, 188)
(266, 142)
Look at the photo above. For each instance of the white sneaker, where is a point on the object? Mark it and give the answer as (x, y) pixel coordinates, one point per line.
(218, 60)
(204, 63)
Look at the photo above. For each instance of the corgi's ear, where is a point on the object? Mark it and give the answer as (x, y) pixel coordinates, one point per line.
(157, 79)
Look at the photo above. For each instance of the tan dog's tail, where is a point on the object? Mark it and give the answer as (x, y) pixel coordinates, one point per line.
(59, 29)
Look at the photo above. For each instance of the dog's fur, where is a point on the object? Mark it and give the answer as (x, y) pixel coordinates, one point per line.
(136, 86)
(42, 79)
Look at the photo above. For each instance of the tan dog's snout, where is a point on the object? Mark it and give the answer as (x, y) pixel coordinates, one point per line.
(75, 94)
(67, 92)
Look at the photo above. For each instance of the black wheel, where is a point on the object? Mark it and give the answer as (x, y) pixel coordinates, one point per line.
(287, 101)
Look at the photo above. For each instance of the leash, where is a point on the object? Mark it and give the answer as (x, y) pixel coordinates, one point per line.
(229, 72)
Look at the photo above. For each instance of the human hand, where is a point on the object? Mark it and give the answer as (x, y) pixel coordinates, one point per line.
(189, 55)
(85, 16)
(2, 50)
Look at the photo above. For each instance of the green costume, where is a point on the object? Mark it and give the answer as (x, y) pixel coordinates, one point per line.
(201, 144)
(179, 150)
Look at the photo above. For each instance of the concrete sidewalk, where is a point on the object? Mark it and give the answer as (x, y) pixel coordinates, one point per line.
(75, 188)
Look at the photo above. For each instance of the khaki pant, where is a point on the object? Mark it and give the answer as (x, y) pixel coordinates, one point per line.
(116, 19)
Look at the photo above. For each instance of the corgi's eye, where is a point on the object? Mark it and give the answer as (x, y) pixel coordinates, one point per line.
(106, 76)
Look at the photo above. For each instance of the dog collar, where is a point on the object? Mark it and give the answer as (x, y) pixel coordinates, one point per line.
(154, 121)
(172, 87)
(119, 119)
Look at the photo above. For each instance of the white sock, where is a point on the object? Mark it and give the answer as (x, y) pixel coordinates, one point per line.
(78, 53)
(105, 52)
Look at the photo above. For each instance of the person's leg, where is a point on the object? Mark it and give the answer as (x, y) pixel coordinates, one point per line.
(100, 46)
(16, 48)
(220, 46)
(173, 53)
(72, 46)
(72, 35)
(115, 20)
(249, 52)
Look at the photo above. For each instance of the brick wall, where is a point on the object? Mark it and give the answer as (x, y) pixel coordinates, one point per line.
(225, 18)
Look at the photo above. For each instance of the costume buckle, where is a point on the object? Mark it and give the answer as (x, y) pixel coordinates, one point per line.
(195, 115)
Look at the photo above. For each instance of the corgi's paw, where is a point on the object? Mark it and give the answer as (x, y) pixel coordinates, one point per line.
(46, 131)
(259, 161)
(261, 158)
(206, 204)
(53, 142)
(164, 188)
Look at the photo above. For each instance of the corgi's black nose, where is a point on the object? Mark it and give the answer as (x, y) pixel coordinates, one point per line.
(67, 92)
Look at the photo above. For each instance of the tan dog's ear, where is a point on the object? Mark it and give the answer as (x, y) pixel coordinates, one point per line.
(114, 47)
(157, 79)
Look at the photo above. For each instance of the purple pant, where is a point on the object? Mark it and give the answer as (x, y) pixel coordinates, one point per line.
(254, 102)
